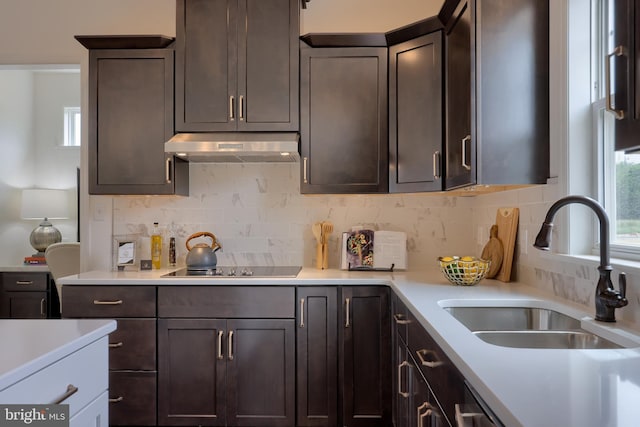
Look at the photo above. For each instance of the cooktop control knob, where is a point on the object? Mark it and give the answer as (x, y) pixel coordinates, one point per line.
(246, 272)
(232, 272)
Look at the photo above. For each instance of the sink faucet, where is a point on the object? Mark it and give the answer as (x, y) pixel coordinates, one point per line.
(607, 298)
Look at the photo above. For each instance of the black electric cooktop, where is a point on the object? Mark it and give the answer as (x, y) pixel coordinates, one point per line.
(239, 272)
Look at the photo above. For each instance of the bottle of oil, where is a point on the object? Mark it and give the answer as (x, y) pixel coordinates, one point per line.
(156, 247)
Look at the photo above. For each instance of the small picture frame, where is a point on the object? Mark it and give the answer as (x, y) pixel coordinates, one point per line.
(125, 252)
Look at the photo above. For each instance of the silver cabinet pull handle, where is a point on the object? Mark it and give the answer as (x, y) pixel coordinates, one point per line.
(436, 165)
(116, 344)
(302, 312)
(230, 350)
(102, 302)
(231, 108)
(71, 390)
(241, 108)
(428, 363)
(347, 321)
(404, 394)
(43, 308)
(399, 319)
(618, 51)
(304, 170)
(167, 170)
(220, 335)
(465, 165)
(24, 282)
(427, 413)
(116, 399)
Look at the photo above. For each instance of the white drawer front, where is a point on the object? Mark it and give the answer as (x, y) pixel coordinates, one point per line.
(87, 369)
(96, 414)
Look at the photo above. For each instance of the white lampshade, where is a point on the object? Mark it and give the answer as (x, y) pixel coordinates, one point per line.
(40, 203)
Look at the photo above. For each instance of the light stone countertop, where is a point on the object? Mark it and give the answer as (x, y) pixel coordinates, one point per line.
(523, 387)
(29, 345)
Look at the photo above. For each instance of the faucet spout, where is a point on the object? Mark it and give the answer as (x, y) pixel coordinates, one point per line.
(607, 298)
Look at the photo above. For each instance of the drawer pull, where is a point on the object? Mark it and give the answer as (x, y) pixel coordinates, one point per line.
(101, 302)
(71, 390)
(116, 344)
(24, 282)
(220, 335)
(116, 400)
(404, 394)
(428, 363)
(302, 312)
(347, 322)
(230, 345)
(427, 413)
(400, 320)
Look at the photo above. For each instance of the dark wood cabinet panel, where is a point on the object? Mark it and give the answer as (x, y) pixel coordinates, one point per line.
(365, 353)
(317, 356)
(109, 301)
(133, 345)
(416, 114)
(237, 65)
(344, 132)
(132, 398)
(191, 372)
(261, 373)
(626, 74)
(130, 118)
(460, 147)
(28, 295)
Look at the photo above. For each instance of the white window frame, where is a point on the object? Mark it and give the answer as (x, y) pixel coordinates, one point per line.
(72, 127)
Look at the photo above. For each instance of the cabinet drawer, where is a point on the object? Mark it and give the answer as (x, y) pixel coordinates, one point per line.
(109, 301)
(443, 377)
(132, 398)
(133, 345)
(95, 414)
(24, 281)
(86, 369)
(226, 301)
(400, 317)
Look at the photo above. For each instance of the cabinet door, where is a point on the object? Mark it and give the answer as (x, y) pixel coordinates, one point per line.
(130, 118)
(344, 132)
(24, 305)
(268, 64)
(460, 148)
(132, 398)
(401, 383)
(415, 114)
(626, 74)
(365, 331)
(206, 64)
(317, 356)
(424, 410)
(260, 372)
(191, 372)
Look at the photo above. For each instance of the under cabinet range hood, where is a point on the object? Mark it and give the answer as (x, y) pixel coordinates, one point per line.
(235, 147)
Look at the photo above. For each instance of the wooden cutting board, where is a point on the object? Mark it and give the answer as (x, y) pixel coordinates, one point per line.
(507, 222)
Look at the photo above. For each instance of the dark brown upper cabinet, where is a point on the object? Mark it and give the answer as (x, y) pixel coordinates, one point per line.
(130, 118)
(625, 100)
(237, 64)
(416, 114)
(344, 116)
(497, 92)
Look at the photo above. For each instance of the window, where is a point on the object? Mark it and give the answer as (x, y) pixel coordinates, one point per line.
(619, 182)
(71, 127)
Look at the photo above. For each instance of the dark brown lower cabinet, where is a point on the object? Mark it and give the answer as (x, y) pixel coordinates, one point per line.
(226, 372)
(28, 295)
(132, 397)
(365, 356)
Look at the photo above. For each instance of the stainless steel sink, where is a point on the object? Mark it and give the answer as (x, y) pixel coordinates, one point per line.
(546, 339)
(528, 327)
(512, 318)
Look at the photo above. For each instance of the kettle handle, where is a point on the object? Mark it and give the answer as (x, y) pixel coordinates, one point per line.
(214, 243)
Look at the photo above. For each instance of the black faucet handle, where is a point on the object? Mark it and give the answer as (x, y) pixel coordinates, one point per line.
(622, 283)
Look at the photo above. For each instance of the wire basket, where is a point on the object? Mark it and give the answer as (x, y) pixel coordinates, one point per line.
(465, 271)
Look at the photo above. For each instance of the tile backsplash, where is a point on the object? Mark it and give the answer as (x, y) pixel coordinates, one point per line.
(259, 216)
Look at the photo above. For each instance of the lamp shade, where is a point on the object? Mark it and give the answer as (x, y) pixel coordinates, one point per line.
(40, 203)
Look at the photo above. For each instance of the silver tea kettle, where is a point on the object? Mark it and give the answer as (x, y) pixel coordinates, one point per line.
(202, 256)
